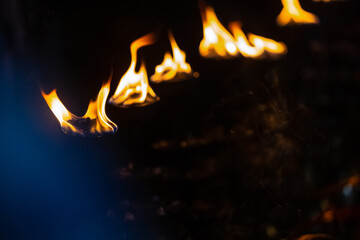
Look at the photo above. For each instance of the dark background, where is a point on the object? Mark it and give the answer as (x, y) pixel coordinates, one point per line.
(252, 149)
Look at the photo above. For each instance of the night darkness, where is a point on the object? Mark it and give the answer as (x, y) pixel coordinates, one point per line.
(252, 149)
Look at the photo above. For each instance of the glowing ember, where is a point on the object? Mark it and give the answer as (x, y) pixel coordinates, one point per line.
(93, 123)
(292, 13)
(217, 41)
(172, 68)
(134, 88)
(255, 46)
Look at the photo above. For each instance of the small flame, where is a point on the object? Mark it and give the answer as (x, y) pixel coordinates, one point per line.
(217, 40)
(255, 46)
(134, 88)
(293, 13)
(172, 67)
(94, 122)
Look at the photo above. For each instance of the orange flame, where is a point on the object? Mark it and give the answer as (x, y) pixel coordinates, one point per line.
(94, 122)
(172, 67)
(293, 13)
(134, 86)
(255, 46)
(217, 40)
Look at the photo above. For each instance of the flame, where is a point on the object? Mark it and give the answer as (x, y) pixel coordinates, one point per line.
(246, 49)
(134, 86)
(94, 122)
(172, 67)
(217, 40)
(255, 46)
(293, 13)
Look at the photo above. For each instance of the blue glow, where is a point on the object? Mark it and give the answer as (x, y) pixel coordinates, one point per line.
(347, 190)
(52, 186)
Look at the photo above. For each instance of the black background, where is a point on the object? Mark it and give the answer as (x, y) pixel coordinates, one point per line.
(249, 146)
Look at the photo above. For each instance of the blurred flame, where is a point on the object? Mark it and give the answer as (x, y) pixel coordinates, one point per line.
(134, 86)
(95, 120)
(171, 66)
(242, 42)
(269, 45)
(217, 40)
(293, 13)
(255, 46)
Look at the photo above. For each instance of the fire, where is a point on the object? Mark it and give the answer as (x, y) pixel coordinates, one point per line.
(269, 45)
(172, 68)
(217, 40)
(243, 44)
(255, 46)
(293, 13)
(134, 88)
(94, 122)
